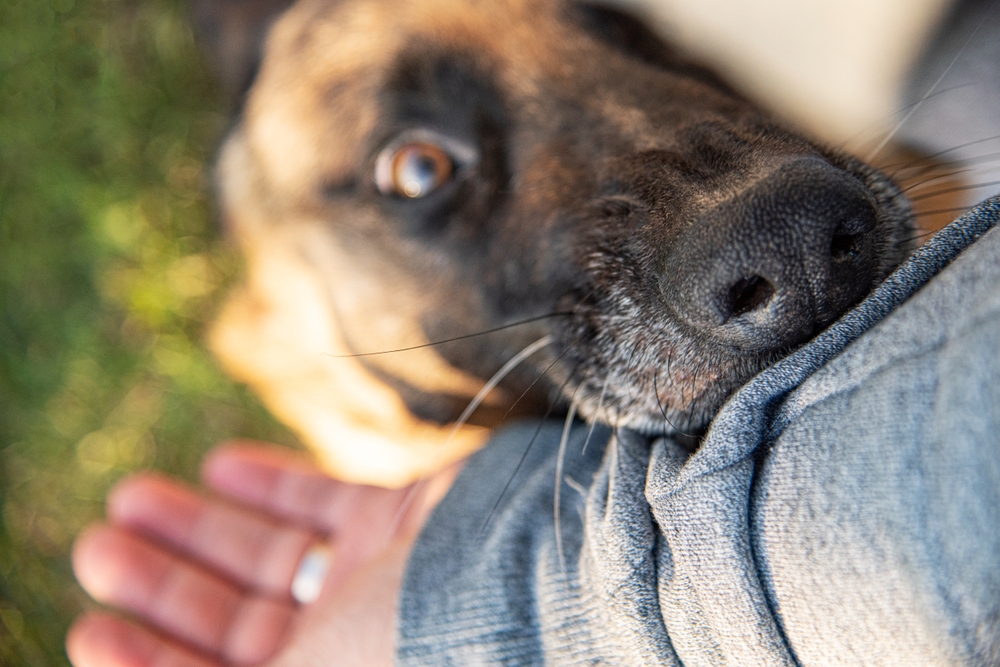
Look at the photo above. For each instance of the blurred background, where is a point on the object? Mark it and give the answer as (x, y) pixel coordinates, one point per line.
(110, 264)
(109, 268)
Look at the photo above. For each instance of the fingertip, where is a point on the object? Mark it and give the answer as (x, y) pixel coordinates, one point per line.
(118, 567)
(232, 470)
(129, 488)
(156, 504)
(248, 469)
(99, 639)
(89, 561)
(102, 640)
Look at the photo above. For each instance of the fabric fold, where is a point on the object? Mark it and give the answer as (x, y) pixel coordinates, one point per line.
(812, 526)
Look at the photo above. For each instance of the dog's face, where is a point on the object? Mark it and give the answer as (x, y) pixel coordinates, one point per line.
(410, 172)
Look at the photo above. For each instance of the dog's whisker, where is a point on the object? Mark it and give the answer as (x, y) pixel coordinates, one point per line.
(872, 128)
(936, 177)
(560, 458)
(491, 384)
(403, 506)
(927, 173)
(915, 237)
(694, 390)
(663, 410)
(951, 149)
(456, 338)
(926, 168)
(659, 403)
(986, 158)
(965, 163)
(575, 485)
(936, 171)
(628, 370)
(534, 382)
(531, 442)
(953, 209)
(906, 164)
(930, 91)
(600, 404)
(957, 188)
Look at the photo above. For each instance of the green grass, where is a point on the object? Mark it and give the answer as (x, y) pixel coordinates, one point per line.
(109, 271)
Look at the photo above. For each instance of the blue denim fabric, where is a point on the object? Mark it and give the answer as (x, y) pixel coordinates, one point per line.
(844, 508)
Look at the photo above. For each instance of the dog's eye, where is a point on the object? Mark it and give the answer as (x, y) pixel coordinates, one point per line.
(415, 170)
(420, 161)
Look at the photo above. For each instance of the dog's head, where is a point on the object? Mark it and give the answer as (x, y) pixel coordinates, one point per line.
(408, 172)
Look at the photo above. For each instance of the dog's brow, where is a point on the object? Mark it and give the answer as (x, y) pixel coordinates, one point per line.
(441, 87)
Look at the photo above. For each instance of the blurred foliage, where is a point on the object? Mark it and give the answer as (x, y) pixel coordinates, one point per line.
(109, 270)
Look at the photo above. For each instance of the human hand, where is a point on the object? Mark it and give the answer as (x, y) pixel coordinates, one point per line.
(206, 578)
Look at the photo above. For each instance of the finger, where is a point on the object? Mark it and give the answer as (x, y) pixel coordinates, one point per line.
(355, 622)
(286, 484)
(102, 640)
(254, 551)
(121, 569)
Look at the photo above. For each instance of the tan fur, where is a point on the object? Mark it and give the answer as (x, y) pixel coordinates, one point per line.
(302, 296)
(278, 333)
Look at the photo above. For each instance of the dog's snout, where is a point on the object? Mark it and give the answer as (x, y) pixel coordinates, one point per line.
(767, 268)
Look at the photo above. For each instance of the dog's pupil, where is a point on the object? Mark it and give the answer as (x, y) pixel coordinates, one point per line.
(419, 169)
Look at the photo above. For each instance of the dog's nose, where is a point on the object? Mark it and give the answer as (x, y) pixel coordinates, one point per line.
(766, 269)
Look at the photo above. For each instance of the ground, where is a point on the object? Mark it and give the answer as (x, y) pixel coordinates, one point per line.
(110, 267)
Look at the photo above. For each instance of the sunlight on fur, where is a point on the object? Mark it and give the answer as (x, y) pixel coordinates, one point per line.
(282, 347)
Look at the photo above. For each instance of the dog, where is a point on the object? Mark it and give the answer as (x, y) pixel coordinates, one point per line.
(426, 191)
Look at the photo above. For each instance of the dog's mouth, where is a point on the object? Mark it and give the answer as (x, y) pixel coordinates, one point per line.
(659, 339)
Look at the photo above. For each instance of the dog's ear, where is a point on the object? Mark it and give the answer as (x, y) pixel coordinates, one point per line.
(627, 31)
(232, 34)
(630, 32)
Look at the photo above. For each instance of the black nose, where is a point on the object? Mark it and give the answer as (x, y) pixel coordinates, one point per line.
(769, 267)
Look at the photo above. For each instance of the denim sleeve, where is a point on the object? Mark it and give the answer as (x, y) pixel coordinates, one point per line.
(844, 508)
(876, 514)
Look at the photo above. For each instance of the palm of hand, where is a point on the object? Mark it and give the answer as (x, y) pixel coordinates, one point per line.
(208, 577)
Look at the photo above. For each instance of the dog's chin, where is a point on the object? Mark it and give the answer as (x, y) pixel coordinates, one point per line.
(289, 351)
(658, 398)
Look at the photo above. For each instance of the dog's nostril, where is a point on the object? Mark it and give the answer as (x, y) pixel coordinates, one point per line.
(749, 294)
(769, 267)
(849, 232)
(844, 246)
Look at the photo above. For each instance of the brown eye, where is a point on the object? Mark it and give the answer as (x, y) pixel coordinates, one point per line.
(414, 170)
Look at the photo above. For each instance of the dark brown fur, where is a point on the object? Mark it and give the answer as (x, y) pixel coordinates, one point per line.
(598, 151)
